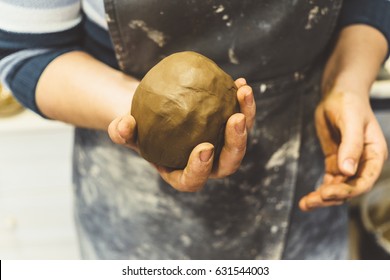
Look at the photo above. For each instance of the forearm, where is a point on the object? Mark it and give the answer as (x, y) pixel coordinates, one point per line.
(78, 89)
(354, 63)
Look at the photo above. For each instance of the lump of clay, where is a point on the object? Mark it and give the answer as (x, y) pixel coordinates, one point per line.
(183, 101)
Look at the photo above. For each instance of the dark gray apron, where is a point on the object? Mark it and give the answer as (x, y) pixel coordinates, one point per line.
(124, 210)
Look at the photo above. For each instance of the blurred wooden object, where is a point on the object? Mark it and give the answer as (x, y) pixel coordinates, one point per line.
(8, 105)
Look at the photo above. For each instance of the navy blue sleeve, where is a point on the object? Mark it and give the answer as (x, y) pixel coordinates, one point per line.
(23, 78)
(32, 34)
(25, 56)
(375, 13)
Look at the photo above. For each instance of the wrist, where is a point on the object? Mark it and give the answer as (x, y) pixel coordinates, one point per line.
(344, 79)
(124, 89)
(352, 82)
(355, 60)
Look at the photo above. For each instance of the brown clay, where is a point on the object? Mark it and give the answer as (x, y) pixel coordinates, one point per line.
(184, 100)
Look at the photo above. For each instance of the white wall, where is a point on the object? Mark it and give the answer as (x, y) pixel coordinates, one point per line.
(36, 219)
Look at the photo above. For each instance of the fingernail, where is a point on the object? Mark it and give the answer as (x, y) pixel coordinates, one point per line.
(303, 205)
(123, 125)
(206, 155)
(312, 204)
(240, 126)
(350, 166)
(249, 98)
(330, 197)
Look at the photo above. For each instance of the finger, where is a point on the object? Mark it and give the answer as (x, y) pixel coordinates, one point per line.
(126, 129)
(195, 174)
(247, 104)
(334, 179)
(328, 141)
(374, 155)
(376, 139)
(328, 178)
(349, 189)
(331, 165)
(351, 146)
(240, 82)
(325, 133)
(113, 132)
(122, 131)
(369, 172)
(234, 147)
(313, 201)
(335, 191)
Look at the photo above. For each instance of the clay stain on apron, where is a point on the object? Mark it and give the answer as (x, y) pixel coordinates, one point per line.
(156, 36)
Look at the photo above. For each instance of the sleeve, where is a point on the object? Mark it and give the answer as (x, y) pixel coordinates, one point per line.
(32, 34)
(375, 13)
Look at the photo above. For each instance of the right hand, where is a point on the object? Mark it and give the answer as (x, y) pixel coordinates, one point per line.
(200, 163)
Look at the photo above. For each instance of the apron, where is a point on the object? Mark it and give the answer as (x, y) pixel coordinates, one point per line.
(125, 211)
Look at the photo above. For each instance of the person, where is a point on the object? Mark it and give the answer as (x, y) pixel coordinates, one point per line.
(80, 62)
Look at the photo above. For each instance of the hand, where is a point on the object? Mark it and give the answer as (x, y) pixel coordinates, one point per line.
(200, 163)
(354, 148)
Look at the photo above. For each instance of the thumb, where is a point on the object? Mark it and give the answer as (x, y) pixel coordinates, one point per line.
(351, 146)
(122, 131)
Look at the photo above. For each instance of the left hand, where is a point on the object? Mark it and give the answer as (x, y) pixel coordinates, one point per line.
(354, 148)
